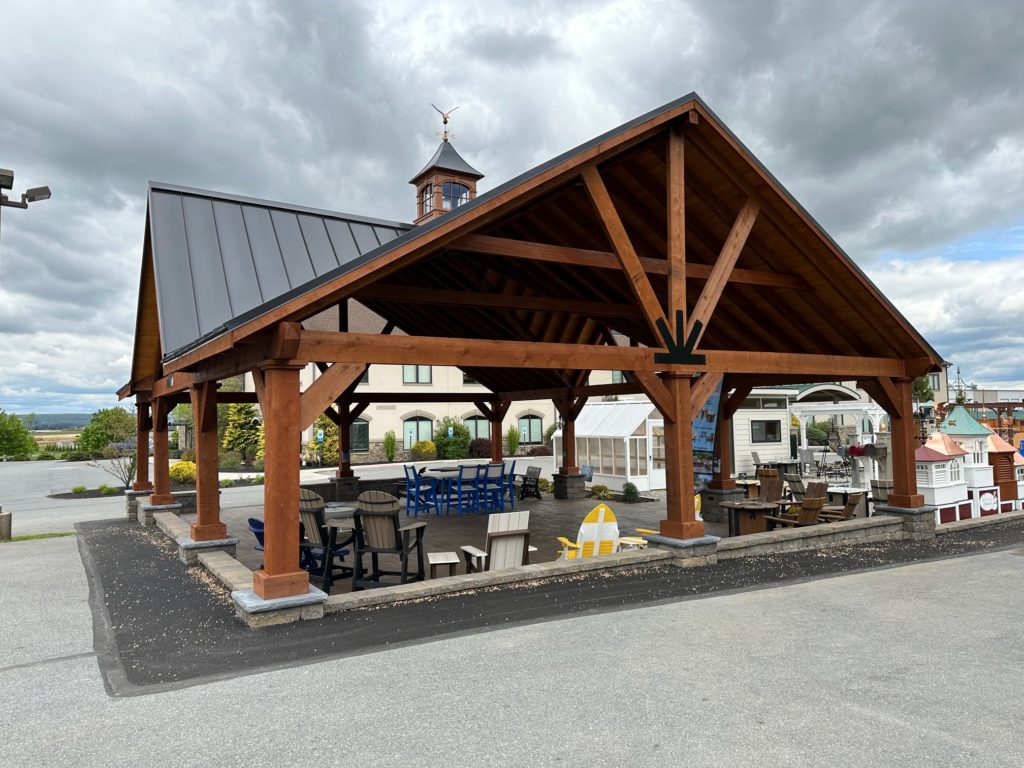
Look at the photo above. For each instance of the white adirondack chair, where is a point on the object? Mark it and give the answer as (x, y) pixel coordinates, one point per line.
(507, 545)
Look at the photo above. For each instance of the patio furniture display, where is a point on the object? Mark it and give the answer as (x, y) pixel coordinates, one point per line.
(806, 514)
(529, 485)
(839, 495)
(507, 544)
(491, 481)
(321, 547)
(510, 485)
(420, 492)
(462, 490)
(437, 559)
(837, 512)
(377, 533)
(879, 494)
(796, 487)
(746, 516)
(598, 535)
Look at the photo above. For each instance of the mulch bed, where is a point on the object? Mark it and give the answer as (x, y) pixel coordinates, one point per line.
(166, 624)
(94, 493)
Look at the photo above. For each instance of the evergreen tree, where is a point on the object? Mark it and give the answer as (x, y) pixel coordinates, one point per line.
(242, 430)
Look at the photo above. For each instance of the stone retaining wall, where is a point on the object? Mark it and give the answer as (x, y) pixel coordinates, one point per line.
(857, 531)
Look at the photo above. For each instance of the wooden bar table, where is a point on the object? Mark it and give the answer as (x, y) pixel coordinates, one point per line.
(748, 516)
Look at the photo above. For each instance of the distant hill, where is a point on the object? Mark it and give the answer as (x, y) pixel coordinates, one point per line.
(55, 420)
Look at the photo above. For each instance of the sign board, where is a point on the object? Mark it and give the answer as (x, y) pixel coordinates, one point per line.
(703, 425)
(319, 435)
(451, 431)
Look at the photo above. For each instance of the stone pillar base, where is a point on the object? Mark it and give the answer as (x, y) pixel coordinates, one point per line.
(257, 612)
(918, 523)
(146, 511)
(711, 503)
(569, 486)
(189, 549)
(346, 488)
(689, 553)
(132, 500)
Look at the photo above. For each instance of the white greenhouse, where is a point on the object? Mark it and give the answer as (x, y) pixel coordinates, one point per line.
(623, 441)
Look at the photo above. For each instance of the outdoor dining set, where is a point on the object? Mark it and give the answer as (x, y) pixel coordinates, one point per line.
(472, 488)
(771, 504)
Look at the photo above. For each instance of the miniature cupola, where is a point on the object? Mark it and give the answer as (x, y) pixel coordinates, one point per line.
(1000, 456)
(446, 182)
(960, 425)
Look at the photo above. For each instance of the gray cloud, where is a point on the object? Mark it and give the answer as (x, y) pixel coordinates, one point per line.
(898, 125)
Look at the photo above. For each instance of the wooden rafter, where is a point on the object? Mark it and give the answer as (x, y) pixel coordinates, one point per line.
(559, 254)
(676, 176)
(619, 238)
(712, 291)
(324, 391)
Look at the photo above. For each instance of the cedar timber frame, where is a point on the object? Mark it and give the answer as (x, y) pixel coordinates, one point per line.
(533, 285)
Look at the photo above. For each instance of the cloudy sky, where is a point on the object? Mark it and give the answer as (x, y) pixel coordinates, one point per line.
(899, 126)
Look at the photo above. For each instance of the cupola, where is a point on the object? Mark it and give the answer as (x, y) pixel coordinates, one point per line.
(446, 182)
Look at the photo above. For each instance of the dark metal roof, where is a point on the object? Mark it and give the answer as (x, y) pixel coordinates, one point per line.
(217, 257)
(447, 159)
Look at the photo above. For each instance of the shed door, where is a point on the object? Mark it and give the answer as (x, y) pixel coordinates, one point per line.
(656, 453)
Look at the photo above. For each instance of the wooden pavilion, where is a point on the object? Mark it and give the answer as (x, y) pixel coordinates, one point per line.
(665, 232)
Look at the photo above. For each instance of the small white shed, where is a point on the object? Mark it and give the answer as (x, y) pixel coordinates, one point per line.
(623, 441)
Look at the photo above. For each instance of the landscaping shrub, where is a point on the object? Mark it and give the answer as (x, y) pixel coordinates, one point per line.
(227, 482)
(512, 440)
(630, 494)
(544, 484)
(600, 492)
(424, 450)
(242, 431)
(183, 473)
(79, 489)
(539, 450)
(108, 425)
(258, 464)
(480, 448)
(456, 446)
(552, 428)
(258, 480)
(230, 460)
(108, 490)
(188, 455)
(389, 445)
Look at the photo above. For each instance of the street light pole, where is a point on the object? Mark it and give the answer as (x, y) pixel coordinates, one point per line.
(33, 195)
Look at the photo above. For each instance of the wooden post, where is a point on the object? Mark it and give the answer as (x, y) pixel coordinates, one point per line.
(345, 439)
(722, 479)
(207, 526)
(496, 414)
(144, 424)
(281, 575)
(681, 522)
(904, 470)
(161, 479)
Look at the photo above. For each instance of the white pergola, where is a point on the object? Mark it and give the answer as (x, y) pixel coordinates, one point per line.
(866, 409)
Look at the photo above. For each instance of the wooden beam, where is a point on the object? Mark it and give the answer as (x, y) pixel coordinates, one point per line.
(884, 392)
(530, 251)
(322, 392)
(593, 390)
(284, 342)
(627, 256)
(656, 390)
(411, 295)
(712, 291)
(734, 401)
(260, 386)
(676, 221)
(479, 353)
(701, 389)
(172, 384)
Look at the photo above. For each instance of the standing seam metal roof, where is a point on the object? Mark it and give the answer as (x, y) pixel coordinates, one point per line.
(218, 257)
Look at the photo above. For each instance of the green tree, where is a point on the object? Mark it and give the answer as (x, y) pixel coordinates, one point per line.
(329, 447)
(242, 430)
(922, 390)
(456, 446)
(15, 439)
(512, 440)
(107, 426)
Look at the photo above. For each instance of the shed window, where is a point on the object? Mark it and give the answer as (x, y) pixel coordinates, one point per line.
(766, 431)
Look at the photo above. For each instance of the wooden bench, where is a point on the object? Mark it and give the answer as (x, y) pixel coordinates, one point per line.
(436, 559)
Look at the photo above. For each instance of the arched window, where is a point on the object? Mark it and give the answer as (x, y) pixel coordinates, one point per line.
(427, 198)
(478, 427)
(454, 195)
(360, 436)
(417, 428)
(531, 430)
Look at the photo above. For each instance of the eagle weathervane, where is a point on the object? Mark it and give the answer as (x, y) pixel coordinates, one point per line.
(444, 121)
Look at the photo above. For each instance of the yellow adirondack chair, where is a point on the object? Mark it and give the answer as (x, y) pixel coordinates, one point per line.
(599, 535)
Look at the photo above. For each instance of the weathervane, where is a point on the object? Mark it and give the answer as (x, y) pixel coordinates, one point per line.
(444, 121)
